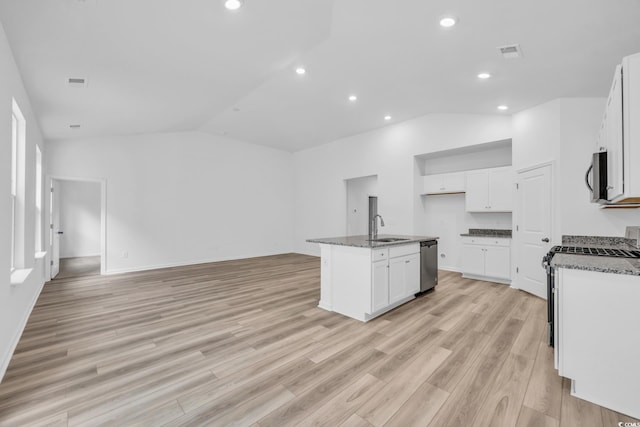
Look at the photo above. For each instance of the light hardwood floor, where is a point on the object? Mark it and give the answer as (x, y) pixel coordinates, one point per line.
(243, 343)
(79, 267)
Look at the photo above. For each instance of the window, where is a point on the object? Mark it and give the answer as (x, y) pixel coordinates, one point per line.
(14, 184)
(38, 229)
(18, 129)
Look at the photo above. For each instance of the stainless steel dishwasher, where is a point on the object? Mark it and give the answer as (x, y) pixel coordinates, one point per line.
(428, 265)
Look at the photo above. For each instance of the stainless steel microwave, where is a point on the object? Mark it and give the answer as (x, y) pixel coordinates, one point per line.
(598, 185)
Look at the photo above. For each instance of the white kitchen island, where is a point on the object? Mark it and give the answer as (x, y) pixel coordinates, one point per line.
(363, 279)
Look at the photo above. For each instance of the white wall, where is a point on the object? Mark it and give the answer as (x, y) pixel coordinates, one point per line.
(181, 198)
(445, 214)
(580, 122)
(388, 153)
(79, 218)
(564, 131)
(16, 301)
(358, 192)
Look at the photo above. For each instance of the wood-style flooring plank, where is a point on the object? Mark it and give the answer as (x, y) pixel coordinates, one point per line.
(243, 342)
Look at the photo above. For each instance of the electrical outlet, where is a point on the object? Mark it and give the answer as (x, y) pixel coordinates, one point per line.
(125, 254)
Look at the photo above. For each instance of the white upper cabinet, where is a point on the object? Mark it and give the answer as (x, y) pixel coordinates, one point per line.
(619, 133)
(489, 190)
(444, 183)
(610, 137)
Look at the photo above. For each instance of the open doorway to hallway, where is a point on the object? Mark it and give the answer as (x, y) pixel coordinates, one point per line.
(77, 228)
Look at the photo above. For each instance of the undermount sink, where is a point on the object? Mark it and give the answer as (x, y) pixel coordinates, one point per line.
(387, 240)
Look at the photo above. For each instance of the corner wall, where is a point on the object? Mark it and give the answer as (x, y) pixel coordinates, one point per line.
(184, 198)
(565, 131)
(320, 173)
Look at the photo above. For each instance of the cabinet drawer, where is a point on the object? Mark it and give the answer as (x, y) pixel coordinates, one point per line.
(402, 250)
(486, 241)
(379, 254)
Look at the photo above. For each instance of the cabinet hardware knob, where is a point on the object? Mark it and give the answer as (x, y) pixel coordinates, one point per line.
(546, 240)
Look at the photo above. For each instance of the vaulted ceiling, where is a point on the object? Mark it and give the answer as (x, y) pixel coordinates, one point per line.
(167, 65)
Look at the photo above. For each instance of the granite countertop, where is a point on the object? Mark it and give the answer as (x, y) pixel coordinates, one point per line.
(364, 242)
(597, 263)
(487, 232)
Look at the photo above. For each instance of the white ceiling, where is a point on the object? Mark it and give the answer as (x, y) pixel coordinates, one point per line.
(169, 65)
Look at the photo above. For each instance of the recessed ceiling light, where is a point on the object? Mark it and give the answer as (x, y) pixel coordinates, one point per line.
(448, 21)
(300, 71)
(503, 107)
(387, 118)
(353, 98)
(484, 76)
(233, 4)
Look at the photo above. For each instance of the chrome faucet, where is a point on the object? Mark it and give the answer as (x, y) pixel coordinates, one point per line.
(374, 225)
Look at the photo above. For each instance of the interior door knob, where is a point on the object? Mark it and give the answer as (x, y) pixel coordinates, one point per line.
(546, 240)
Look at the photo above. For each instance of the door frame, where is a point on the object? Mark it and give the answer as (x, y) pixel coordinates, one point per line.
(103, 218)
(518, 215)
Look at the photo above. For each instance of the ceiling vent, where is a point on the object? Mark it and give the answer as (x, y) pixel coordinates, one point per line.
(77, 82)
(512, 51)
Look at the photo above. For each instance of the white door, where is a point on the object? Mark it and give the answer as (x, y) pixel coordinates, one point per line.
(533, 228)
(54, 229)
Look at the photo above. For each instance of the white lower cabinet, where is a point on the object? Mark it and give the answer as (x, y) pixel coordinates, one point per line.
(487, 258)
(597, 326)
(404, 276)
(363, 283)
(497, 262)
(380, 285)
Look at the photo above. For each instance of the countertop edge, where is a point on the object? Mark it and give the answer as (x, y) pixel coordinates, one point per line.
(362, 242)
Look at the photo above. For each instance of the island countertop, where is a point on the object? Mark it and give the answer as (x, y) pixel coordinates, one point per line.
(364, 241)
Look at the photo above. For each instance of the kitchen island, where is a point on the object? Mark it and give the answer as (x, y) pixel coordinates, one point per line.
(363, 278)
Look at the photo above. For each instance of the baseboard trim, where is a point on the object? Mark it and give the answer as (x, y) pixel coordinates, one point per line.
(449, 268)
(487, 279)
(186, 263)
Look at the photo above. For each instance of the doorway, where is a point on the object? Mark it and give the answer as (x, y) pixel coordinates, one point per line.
(77, 227)
(358, 192)
(533, 227)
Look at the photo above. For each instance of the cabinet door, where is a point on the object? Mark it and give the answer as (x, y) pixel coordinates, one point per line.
(397, 279)
(501, 190)
(477, 188)
(497, 262)
(453, 182)
(412, 274)
(433, 184)
(473, 259)
(380, 288)
(612, 133)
